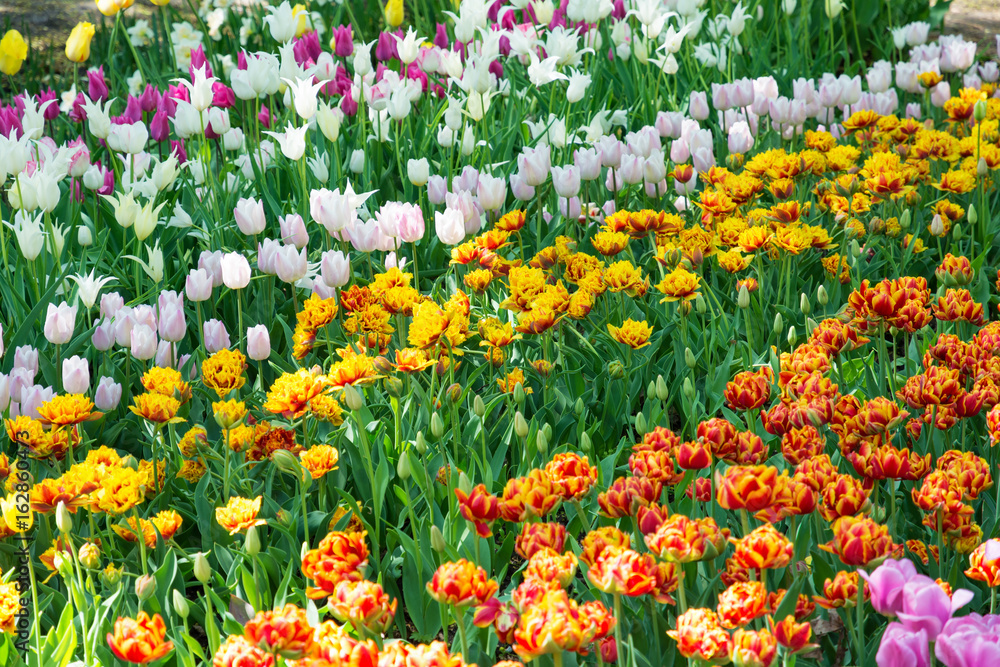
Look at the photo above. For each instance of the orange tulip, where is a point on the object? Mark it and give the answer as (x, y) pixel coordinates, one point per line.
(285, 632)
(699, 635)
(858, 540)
(460, 584)
(763, 549)
(792, 635)
(140, 640)
(536, 536)
(480, 507)
(753, 648)
(623, 572)
(742, 602)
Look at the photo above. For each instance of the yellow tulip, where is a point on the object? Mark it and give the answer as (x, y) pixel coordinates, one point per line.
(301, 18)
(18, 519)
(78, 44)
(112, 7)
(160, 3)
(13, 51)
(394, 13)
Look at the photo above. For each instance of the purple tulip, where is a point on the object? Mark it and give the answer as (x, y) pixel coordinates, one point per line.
(969, 641)
(903, 648)
(927, 607)
(886, 585)
(97, 88)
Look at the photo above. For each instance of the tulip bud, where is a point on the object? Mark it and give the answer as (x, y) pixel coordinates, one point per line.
(129, 461)
(937, 226)
(956, 232)
(437, 540)
(519, 395)
(353, 398)
(973, 214)
(689, 358)
(64, 521)
(640, 424)
(252, 542)
(700, 305)
(662, 391)
(453, 393)
(982, 168)
(979, 111)
(286, 462)
(284, 519)
(804, 304)
(855, 249)
(904, 220)
(303, 550)
(202, 570)
(792, 336)
(112, 576)
(84, 236)
(393, 386)
(811, 324)
(437, 425)
(180, 604)
(421, 443)
(90, 556)
(821, 296)
(651, 389)
(743, 299)
(541, 442)
(63, 564)
(688, 389)
(478, 406)
(520, 426)
(578, 407)
(616, 370)
(403, 467)
(779, 323)
(585, 442)
(145, 586)
(547, 429)
(464, 485)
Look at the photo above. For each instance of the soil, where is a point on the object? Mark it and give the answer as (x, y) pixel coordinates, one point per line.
(977, 20)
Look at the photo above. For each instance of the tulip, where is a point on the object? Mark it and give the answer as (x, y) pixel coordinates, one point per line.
(886, 584)
(198, 285)
(4, 392)
(108, 394)
(437, 190)
(588, 162)
(418, 171)
(357, 161)
(293, 230)
(698, 105)
(76, 375)
(235, 271)
(449, 226)
(143, 342)
(172, 323)
(19, 380)
(740, 139)
(78, 44)
(215, 336)
(534, 165)
(59, 323)
(13, 52)
(566, 181)
(33, 397)
(258, 343)
(491, 191)
(903, 648)
(291, 264)
(335, 268)
(292, 141)
(926, 607)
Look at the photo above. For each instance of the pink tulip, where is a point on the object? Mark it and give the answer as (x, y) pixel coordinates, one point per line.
(588, 161)
(173, 326)
(437, 188)
(34, 396)
(235, 270)
(698, 105)
(291, 264)
(927, 607)
(258, 343)
(491, 191)
(75, 375)
(143, 344)
(110, 303)
(108, 394)
(886, 583)
(198, 285)
(611, 150)
(293, 230)
(249, 215)
(59, 323)
(212, 262)
(4, 392)
(411, 224)
(903, 648)
(520, 189)
(26, 356)
(267, 252)
(216, 337)
(534, 164)
(20, 379)
(165, 351)
(335, 268)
